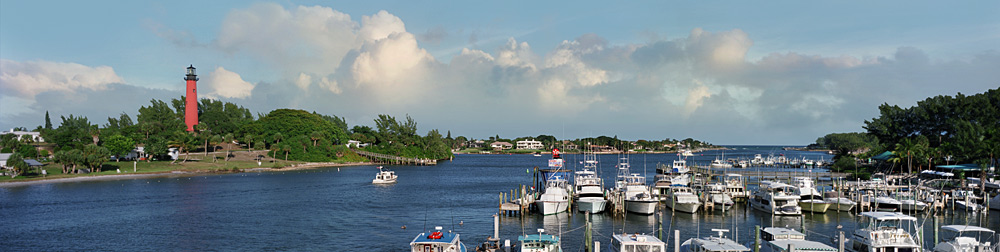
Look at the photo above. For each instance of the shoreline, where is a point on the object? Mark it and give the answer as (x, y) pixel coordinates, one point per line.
(111, 177)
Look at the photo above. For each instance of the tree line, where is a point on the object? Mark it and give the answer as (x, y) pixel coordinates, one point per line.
(938, 130)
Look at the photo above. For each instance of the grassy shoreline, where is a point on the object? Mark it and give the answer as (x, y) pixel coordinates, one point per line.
(153, 169)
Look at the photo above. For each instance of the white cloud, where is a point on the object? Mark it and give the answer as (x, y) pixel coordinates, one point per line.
(380, 26)
(227, 84)
(27, 79)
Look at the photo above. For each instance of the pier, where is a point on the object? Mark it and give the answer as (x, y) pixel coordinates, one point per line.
(749, 172)
(390, 159)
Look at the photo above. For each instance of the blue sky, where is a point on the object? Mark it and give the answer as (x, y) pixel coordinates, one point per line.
(780, 72)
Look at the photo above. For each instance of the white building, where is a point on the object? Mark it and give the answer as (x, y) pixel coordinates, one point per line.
(529, 145)
(35, 136)
(501, 145)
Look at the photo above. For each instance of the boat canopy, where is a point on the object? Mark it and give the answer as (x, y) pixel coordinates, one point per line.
(961, 167)
(428, 238)
(538, 238)
(964, 228)
(884, 156)
(885, 216)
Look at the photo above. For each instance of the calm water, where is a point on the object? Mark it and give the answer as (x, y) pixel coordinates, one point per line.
(333, 209)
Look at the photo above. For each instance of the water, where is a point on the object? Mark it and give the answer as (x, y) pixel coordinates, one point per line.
(339, 209)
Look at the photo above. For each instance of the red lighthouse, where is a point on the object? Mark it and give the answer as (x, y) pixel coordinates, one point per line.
(191, 101)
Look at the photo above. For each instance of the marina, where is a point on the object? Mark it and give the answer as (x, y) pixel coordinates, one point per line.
(340, 209)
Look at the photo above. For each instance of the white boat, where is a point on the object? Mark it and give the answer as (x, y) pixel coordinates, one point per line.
(683, 199)
(715, 193)
(555, 199)
(908, 203)
(712, 244)
(780, 239)
(687, 153)
(736, 188)
(967, 239)
(588, 188)
(720, 164)
(637, 196)
(633, 188)
(636, 242)
(437, 241)
(968, 205)
(881, 231)
(809, 198)
(886, 204)
(838, 203)
(776, 198)
(384, 176)
(540, 242)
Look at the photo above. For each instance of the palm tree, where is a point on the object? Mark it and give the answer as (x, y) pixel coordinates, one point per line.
(215, 140)
(183, 142)
(315, 137)
(286, 148)
(229, 144)
(278, 137)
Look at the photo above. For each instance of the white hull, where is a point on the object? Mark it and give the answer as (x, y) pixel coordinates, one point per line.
(684, 207)
(380, 181)
(641, 206)
(592, 205)
(967, 206)
(815, 207)
(912, 206)
(552, 207)
(841, 204)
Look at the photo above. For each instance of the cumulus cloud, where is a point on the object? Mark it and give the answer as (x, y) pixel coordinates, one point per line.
(27, 79)
(227, 84)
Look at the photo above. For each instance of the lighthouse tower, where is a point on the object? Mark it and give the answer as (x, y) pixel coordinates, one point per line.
(191, 100)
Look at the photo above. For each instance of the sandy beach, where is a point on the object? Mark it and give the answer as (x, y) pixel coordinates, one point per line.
(171, 174)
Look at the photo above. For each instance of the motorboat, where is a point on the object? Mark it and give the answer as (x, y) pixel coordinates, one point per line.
(637, 196)
(687, 153)
(633, 188)
(676, 175)
(885, 204)
(967, 239)
(776, 239)
(717, 163)
(908, 203)
(712, 244)
(540, 242)
(636, 242)
(736, 188)
(384, 176)
(683, 199)
(839, 203)
(555, 199)
(776, 198)
(437, 241)
(809, 198)
(967, 200)
(715, 193)
(588, 188)
(882, 231)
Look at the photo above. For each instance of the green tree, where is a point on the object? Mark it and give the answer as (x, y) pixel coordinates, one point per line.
(214, 141)
(119, 145)
(228, 138)
(48, 121)
(183, 142)
(17, 165)
(95, 156)
(155, 146)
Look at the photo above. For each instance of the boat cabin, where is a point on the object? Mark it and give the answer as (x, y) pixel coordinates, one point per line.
(636, 243)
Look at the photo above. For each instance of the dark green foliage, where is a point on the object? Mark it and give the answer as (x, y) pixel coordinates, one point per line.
(291, 122)
(965, 127)
(119, 145)
(218, 117)
(16, 163)
(74, 133)
(159, 120)
(95, 156)
(27, 151)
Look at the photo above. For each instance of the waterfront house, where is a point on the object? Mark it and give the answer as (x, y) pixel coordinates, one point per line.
(529, 145)
(35, 136)
(501, 145)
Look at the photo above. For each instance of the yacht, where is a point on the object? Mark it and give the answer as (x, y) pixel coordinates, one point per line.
(637, 197)
(540, 242)
(838, 202)
(775, 239)
(636, 242)
(885, 204)
(717, 163)
(676, 175)
(633, 187)
(555, 199)
(713, 244)
(687, 153)
(776, 198)
(588, 188)
(881, 231)
(437, 241)
(809, 198)
(966, 200)
(384, 176)
(909, 203)
(967, 239)
(716, 194)
(683, 199)
(735, 187)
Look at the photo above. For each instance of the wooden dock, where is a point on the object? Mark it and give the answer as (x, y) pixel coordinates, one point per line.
(390, 159)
